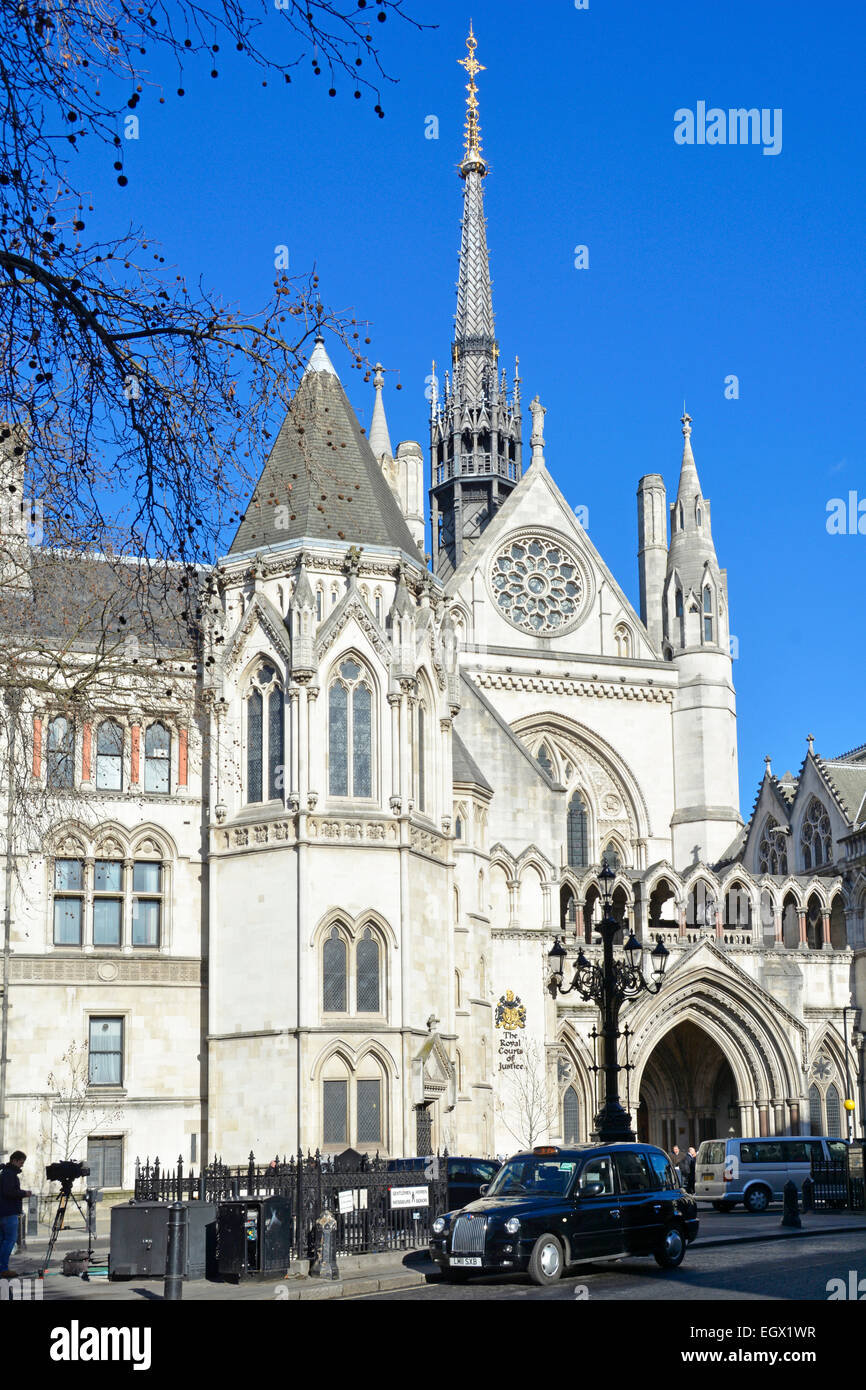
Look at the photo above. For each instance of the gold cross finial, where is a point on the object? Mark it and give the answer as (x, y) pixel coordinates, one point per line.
(472, 130)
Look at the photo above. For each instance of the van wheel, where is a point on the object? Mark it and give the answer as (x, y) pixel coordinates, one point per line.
(545, 1262)
(672, 1250)
(757, 1199)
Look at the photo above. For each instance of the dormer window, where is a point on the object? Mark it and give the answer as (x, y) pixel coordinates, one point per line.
(708, 612)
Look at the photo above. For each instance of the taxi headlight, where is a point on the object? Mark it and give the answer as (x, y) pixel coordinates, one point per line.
(512, 1225)
(438, 1225)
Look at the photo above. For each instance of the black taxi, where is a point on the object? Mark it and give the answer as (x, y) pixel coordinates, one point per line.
(553, 1207)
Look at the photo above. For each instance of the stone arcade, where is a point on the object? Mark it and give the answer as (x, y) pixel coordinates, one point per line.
(308, 899)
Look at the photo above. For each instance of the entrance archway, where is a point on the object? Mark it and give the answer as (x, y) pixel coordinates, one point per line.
(686, 1089)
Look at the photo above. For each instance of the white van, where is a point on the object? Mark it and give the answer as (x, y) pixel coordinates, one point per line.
(754, 1171)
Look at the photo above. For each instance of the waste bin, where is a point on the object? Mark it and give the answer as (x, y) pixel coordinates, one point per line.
(254, 1237)
(139, 1240)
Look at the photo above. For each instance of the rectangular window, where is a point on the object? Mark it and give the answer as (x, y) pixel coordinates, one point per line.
(105, 1161)
(633, 1170)
(334, 1106)
(68, 901)
(105, 1061)
(369, 1112)
(107, 910)
(146, 903)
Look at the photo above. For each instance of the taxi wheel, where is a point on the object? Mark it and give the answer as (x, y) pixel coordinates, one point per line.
(546, 1262)
(672, 1249)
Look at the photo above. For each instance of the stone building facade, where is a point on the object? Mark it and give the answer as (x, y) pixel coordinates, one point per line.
(306, 898)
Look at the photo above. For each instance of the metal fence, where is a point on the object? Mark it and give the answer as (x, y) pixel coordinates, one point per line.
(375, 1206)
(834, 1187)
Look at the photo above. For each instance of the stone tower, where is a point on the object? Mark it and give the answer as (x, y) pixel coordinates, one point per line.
(696, 638)
(475, 436)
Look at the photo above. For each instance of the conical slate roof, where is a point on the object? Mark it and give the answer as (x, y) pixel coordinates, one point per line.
(321, 480)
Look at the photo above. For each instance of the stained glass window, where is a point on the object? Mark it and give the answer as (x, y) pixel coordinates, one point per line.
(367, 961)
(816, 840)
(578, 833)
(350, 733)
(334, 974)
(276, 777)
(109, 756)
(538, 585)
(362, 770)
(338, 733)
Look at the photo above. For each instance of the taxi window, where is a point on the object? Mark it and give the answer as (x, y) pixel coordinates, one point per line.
(634, 1173)
(838, 1149)
(663, 1172)
(597, 1170)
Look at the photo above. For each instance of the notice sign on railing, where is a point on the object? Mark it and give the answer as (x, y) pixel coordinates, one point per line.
(410, 1197)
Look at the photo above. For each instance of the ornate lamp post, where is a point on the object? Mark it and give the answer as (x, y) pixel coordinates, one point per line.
(608, 984)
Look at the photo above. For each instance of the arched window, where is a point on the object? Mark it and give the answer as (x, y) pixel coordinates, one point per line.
(611, 859)
(816, 840)
(570, 1116)
(109, 756)
(60, 771)
(708, 614)
(772, 849)
(458, 829)
(367, 972)
(350, 732)
(622, 637)
(157, 758)
(544, 759)
(265, 736)
(816, 1125)
(319, 604)
(422, 759)
(834, 1113)
(334, 973)
(578, 833)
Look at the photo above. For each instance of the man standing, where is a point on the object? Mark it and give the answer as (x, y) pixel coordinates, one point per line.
(10, 1208)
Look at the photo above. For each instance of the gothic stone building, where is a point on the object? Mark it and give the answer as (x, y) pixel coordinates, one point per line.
(307, 898)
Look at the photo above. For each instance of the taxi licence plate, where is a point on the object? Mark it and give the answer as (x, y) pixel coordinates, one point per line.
(462, 1260)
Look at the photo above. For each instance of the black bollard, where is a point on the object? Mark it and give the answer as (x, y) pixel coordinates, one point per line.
(808, 1195)
(791, 1210)
(175, 1257)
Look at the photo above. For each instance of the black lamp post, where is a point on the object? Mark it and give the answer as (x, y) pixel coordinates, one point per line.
(608, 985)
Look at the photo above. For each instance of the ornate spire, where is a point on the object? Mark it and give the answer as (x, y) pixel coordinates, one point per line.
(690, 486)
(472, 129)
(380, 440)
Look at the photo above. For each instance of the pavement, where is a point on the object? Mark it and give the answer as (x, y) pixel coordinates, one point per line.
(363, 1275)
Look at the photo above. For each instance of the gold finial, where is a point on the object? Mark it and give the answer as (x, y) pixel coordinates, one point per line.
(472, 129)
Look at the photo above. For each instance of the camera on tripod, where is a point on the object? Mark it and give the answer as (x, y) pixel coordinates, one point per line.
(68, 1170)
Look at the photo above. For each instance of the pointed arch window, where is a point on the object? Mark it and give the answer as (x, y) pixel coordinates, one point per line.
(570, 1116)
(578, 833)
(622, 637)
(772, 849)
(350, 732)
(60, 770)
(109, 756)
(708, 614)
(816, 840)
(834, 1113)
(157, 758)
(265, 724)
(367, 974)
(815, 1110)
(334, 973)
(422, 758)
(610, 858)
(543, 757)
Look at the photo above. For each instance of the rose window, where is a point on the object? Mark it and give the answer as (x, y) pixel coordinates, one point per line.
(538, 585)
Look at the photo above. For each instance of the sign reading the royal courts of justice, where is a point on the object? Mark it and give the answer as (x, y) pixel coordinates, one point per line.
(510, 1016)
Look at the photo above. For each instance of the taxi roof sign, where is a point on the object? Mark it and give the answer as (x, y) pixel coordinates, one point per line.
(546, 1149)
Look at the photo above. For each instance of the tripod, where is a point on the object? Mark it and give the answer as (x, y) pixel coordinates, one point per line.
(63, 1198)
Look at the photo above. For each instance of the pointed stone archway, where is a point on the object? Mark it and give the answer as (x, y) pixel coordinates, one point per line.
(741, 1048)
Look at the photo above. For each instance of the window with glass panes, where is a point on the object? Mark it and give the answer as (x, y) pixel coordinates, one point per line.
(334, 973)
(68, 901)
(570, 1116)
(578, 833)
(335, 1112)
(157, 758)
(350, 733)
(265, 737)
(107, 902)
(109, 756)
(367, 969)
(369, 1122)
(105, 1052)
(146, 902)
(105, 1161)
(60, 755)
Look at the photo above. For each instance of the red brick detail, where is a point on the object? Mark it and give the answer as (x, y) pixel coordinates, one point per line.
(86, 745)
(135, 742)
(182, 758)
(37, 746)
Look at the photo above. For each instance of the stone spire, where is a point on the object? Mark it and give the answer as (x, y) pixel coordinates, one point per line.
(695, 588)
(475, 427)
(380, 440)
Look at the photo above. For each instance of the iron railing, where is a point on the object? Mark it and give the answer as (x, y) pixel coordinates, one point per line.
(315, 1184)
(833, 1187)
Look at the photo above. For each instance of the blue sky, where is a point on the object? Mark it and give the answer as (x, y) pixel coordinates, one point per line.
(704, 261)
